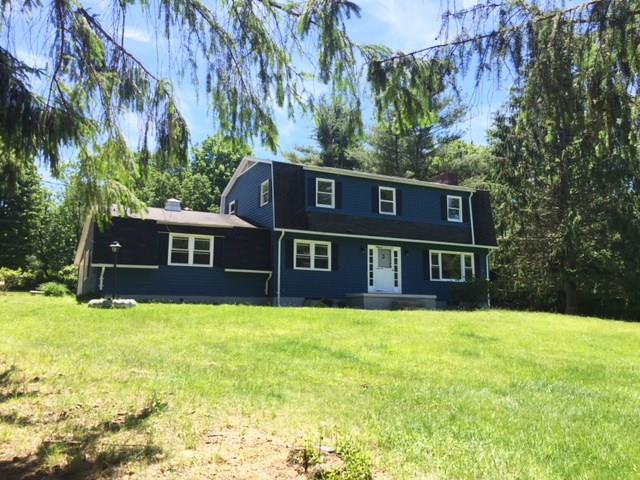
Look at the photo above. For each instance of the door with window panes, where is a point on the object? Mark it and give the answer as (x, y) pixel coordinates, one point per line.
(384, 269)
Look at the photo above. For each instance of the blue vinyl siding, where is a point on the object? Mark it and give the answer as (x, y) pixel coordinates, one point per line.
(246, 193)
(188, 281)
(351, 276)
(419, 204)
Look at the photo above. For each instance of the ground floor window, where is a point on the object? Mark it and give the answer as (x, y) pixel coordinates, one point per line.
(451, 266)
(190, 250)
(310, 255)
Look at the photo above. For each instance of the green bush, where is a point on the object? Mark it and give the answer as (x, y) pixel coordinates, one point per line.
(471, 293)
(69, 276)
(17, 279)
(54, 289)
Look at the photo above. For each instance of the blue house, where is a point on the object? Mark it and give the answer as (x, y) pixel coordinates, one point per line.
(297, 234)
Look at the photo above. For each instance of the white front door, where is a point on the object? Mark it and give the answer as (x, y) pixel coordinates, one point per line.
(383, 269)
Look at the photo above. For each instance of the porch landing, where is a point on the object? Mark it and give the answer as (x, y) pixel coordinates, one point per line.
(391, 301)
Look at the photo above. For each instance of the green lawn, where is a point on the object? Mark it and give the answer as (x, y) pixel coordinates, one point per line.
(492, 394)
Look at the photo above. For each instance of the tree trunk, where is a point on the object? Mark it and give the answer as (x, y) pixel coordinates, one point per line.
(570, 296)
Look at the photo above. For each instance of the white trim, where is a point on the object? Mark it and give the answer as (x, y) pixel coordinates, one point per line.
(229, 212)
(190, 249)
(83, 240)
(386, 178)
(391, 239)
(267, 182)
(125, 265)
(398, 250)
(245, 270)
(462, 267)
(473, 233)
(333, 192)
(457, 220)
(312, 254)
(380, 200)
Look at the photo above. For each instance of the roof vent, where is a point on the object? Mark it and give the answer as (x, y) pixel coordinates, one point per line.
(448, 178)
(172, 205)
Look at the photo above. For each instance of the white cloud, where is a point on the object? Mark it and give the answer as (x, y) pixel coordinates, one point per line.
(405, 24)
(136, 34)
(32, 59)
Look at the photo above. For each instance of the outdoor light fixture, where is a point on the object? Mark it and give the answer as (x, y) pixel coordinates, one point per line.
(115, 248)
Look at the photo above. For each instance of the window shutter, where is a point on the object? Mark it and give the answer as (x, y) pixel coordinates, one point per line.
(311, 192)
(398, 201)
(426, 268)
(466, 217)
(270, 190)
(218, 252)
(338, 193)
(335, 254)
(288, 247)
(443, 207)
(163, 248)
(374, 199)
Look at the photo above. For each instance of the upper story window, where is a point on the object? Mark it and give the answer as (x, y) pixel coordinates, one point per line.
(454, 208)
(387, 200)
(265, 192)
(451, 266)
(190, 250)
(310, 255)
(232, 207)
(325, 193)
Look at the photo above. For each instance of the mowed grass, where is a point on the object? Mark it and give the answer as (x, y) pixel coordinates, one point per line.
(490, 394)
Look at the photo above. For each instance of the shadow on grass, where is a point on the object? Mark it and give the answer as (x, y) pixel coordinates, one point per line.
(86, 452)
(13, 387)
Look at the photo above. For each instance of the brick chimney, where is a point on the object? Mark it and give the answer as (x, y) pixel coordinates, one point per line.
(448, 178)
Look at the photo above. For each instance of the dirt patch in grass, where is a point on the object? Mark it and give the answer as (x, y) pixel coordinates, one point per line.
(43, 437)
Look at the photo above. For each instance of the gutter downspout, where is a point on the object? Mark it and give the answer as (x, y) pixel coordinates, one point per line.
(266, 283)
(489, 252)
(279, 264)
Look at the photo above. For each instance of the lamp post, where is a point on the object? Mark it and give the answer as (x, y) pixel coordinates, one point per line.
(115, 248)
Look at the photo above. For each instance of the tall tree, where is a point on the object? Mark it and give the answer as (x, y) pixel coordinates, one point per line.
(22, 210)
(216, 158)
(338, 134)
(411, 152)
(566, 201)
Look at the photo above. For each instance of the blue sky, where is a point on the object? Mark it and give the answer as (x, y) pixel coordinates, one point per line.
(399, 24)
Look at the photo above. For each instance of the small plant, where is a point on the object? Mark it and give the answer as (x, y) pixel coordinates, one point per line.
(348, 461)
(54, 289)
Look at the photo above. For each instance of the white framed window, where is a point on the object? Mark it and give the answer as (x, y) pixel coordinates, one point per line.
(387, 200)
(232, 207)
(265, 191)
(190, 250)
(454, 208)
(311, 255)
(325, 193)
(447, 266)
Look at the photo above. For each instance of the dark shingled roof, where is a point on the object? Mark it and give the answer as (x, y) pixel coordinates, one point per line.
(386, 227)
(483, 226)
